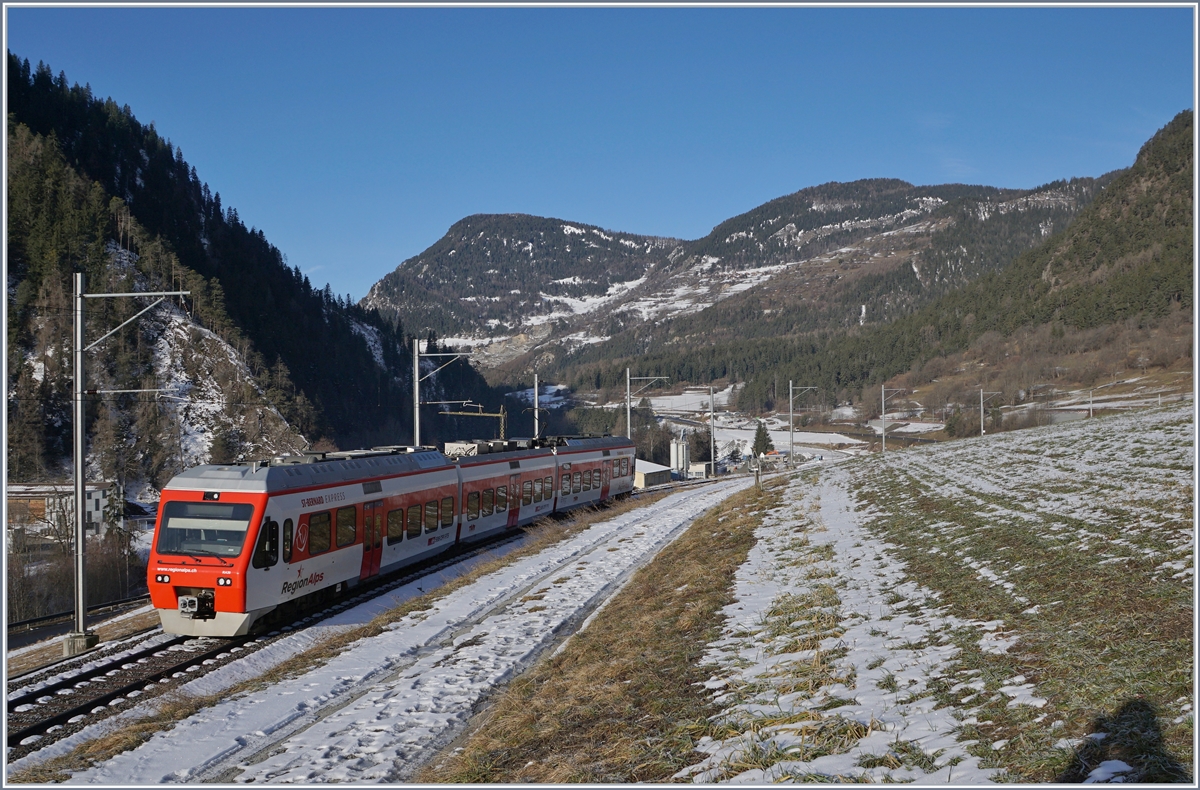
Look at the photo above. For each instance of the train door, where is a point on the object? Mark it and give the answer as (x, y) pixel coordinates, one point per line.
(514, 500)
(372, 539)
(605, 478)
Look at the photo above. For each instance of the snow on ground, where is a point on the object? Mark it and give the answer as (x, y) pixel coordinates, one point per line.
(695, 401)
(370, 336)
(860, 668)
(901, 425)
(845, 413)
(828, 664)
(1145, 452)
(383, 706)
(735, 428)
(198, 401)
(141, 610)
(550, 396)
(470, 342)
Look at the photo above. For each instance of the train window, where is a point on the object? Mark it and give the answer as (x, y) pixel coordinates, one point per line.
(616, 470)
(447, 511)
(587, 481)
(207, 527)
(537, 490)
(345, 526)
(431, 514)
(595, 478)
(414, 522)
(566, 483)
(266, 553)
(318, 533)
(548, 486)
(472, 506)
(576, 485)
(287, 540)
(527, 492)
(624, 467)
(489, 500)
(501, 499)
(395, 526)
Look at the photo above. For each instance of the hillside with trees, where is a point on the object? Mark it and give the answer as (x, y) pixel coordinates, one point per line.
(547, 294)
(872, 281)
(491, 271)
(343, 372)
(1120, 272)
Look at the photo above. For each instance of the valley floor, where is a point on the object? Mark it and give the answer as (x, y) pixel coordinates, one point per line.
(1014, 607)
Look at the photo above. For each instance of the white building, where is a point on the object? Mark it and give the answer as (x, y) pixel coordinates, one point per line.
(43, 514)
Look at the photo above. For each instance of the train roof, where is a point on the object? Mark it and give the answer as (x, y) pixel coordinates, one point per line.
(325, 468)
(596, 442)
(310, 469)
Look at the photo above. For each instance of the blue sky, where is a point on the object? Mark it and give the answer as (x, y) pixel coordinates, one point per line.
(355, 137)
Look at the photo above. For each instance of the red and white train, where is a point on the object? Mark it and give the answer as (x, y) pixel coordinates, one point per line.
(235, 543)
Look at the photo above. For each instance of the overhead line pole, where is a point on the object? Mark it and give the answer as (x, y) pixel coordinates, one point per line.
(81, 640)
(883, 396)
(629, 396)
(712, 430)
(417, 379)
(416, 392)
(792, 420)
(981, 402)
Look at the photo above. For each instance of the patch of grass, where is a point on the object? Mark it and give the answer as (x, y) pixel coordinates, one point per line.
(621, 701)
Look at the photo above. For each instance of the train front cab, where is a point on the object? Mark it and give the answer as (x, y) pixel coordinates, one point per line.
(197, 566)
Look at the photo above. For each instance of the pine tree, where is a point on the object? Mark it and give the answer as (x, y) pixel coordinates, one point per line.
(762, 440)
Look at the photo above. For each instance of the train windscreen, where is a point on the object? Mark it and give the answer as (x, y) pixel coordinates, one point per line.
(215, 528)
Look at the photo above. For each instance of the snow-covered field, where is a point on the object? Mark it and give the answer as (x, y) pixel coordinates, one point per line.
(812, 649)
(939, 616)
(696, 401)
(733, 428)
(383, 706)
(550, 396)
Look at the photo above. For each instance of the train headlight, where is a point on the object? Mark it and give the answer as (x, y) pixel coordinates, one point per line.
(224, 582)
(162, 578)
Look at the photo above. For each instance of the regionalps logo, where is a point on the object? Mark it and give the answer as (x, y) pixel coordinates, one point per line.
(312, 579)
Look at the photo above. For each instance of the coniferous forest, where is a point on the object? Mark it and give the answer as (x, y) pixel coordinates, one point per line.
(95, 178)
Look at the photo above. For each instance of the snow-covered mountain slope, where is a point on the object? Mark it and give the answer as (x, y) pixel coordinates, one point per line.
(204, 403)
(526, 291)
(212, 393)
(500, 273)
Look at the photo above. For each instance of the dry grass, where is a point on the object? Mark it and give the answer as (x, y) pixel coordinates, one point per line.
(175, 707)
(620, 701)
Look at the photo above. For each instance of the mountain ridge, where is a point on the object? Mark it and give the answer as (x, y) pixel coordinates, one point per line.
(578, 308)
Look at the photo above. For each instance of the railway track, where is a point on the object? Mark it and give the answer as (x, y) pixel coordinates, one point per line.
(37, 623)
(88, 688)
